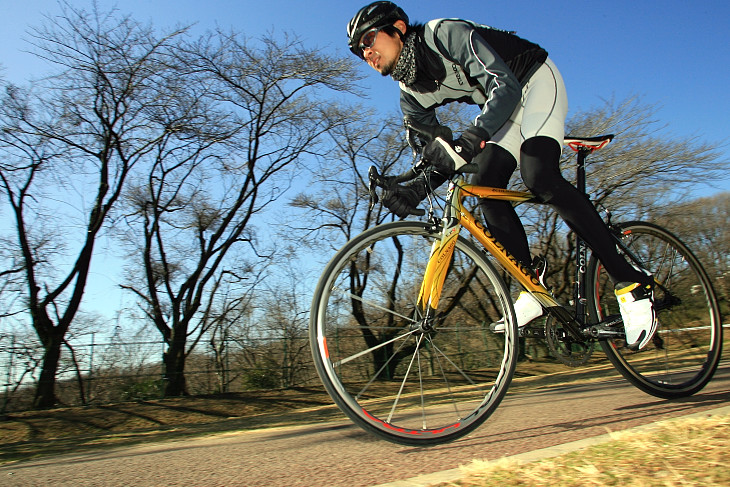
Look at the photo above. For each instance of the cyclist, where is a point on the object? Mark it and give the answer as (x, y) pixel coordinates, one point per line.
(523, 108)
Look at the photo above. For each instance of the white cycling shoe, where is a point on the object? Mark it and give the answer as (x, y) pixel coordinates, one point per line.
(635, 301)
(527, 308)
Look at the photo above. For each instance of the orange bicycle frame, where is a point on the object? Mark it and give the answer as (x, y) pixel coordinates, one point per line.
(456, 216)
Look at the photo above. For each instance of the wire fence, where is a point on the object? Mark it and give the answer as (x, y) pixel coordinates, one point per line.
(107, 372)
(99, 372)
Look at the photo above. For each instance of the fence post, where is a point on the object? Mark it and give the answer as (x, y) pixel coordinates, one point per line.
(285, 378)
(11, 352)
(163, 382)
(226, 365)
(91, 368)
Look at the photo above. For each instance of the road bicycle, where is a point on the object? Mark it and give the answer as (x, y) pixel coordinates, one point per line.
(401, 318)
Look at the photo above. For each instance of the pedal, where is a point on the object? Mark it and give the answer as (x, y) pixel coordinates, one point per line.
(610, 327)
(493, 328)
(529, 332)
(522, 332)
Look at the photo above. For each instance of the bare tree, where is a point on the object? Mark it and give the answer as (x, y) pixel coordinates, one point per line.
(194, 213)
(231, 323)
(337, 205)
(21, 361)
(284, 311)
(71, 143)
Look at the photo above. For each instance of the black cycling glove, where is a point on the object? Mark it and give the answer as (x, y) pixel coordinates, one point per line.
(403, 199)
(447, 157)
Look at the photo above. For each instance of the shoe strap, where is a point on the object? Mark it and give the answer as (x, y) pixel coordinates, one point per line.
(627, 289)
(635, 290)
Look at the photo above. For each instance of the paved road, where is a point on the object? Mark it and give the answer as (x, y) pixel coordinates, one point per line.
(339, 454)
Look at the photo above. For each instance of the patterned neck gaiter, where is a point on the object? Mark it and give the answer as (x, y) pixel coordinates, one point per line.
(405, 68)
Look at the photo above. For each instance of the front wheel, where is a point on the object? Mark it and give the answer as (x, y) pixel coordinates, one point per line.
(409, 378)
(685, 351)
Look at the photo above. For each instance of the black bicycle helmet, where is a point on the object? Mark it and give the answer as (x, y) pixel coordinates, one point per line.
(377, 14)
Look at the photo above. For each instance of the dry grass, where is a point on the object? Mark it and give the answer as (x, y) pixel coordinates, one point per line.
(692, 451)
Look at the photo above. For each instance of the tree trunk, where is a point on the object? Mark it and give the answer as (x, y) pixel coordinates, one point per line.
(174, 361)
(45, 394)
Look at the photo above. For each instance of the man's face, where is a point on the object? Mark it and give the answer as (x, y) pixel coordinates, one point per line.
(383, 55)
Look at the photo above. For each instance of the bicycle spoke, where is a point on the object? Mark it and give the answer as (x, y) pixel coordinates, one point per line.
(454, 404)
(350, 295)
(343, 361)
(385, 365)
(405, 379)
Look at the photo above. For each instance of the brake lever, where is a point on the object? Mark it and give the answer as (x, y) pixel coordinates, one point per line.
(374, 180)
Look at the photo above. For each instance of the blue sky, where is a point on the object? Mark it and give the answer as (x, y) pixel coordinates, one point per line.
(672, 53)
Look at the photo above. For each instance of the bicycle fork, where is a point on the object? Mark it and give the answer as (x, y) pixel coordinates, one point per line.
(438, 266)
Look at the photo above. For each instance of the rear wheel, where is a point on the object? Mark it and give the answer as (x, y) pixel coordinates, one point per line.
(685, 351)
(405, 377)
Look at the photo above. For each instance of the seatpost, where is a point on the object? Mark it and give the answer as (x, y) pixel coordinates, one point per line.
(581, 169)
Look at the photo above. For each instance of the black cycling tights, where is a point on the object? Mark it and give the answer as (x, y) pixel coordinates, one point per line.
(496, 166)
(540, 170)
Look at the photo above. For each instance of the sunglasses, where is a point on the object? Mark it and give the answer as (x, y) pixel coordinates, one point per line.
(368, 39)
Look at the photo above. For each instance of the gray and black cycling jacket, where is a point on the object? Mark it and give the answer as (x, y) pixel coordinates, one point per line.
(459, 60)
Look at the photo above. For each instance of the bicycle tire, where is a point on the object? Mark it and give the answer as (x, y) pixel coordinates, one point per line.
(686, 348)
(379, 361)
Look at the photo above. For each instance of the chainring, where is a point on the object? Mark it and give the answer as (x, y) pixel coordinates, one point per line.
(563, 347)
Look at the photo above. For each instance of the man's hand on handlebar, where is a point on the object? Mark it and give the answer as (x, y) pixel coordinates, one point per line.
(445, 156)
(402, 200)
